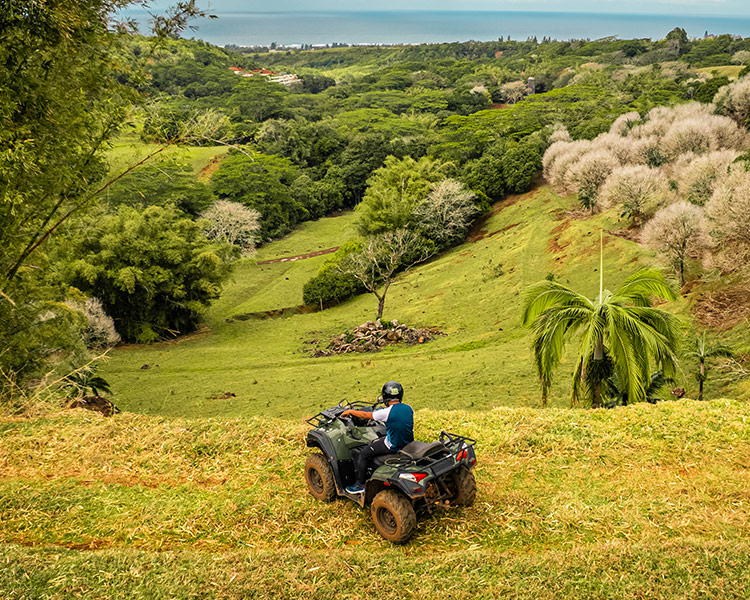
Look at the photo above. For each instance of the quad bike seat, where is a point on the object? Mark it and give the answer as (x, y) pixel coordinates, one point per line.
(416, 450)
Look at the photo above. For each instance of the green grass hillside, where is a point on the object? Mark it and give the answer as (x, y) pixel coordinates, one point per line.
(642, 502)
(472, 292)
(190, 495)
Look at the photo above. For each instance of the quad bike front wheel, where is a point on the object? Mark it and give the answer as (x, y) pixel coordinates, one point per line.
(394, 516)
(319, 478)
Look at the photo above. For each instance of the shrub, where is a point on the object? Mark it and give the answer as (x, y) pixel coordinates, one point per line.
(707, 90)
(330, 286)
(37, 335)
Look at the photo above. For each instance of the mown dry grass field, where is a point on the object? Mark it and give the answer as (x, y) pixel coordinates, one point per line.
(644, 501)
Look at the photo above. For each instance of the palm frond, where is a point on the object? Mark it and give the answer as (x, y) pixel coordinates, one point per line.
(641, 286)
(659, 330)
(544, 295)
(627, 349)
(657, 382)
(548, 340)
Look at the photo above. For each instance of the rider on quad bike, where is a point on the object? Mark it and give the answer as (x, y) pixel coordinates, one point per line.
(358, 443)
(399, 426)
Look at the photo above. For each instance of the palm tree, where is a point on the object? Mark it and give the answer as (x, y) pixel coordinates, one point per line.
(621, 333)
(618, 394)
(701, 352)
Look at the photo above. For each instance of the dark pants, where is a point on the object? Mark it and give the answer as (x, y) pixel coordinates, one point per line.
(375, 448)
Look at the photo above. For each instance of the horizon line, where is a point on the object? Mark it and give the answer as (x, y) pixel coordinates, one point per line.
(467, 10)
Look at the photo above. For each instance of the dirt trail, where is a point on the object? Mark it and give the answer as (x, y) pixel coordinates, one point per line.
(299, 257)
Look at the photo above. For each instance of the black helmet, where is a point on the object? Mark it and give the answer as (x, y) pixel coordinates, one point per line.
(393, 390)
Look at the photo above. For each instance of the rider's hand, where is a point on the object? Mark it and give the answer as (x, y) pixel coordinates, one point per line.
(346, 413)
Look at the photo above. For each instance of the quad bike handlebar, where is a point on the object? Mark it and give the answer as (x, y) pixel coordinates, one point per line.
(331, 414)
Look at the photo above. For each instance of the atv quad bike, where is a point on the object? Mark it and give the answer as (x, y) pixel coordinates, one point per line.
(418, 478)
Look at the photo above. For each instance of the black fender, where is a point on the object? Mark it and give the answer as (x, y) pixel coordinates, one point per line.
(315, 439)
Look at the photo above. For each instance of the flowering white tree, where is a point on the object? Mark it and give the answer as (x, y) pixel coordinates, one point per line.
(690, 135)
(100, 328)
(559, 133)
(679, 232)
(687, 146)
(624, 123)
(233, 223)
(733, 100)
(729, 212)
(558, 159)
(446, 213)
(636, 189)
(698, 176)
(587, 175)
(513, 91)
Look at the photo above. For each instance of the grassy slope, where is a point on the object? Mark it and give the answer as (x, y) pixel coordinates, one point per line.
(484, 362)
(730, 71)
(646, 501)
(128, 150)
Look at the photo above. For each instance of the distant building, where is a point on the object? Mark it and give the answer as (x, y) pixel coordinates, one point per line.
(531, 85)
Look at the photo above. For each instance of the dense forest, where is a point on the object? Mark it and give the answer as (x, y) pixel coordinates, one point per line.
(421, 139)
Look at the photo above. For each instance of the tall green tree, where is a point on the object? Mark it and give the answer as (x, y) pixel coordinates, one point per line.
(619, 333)
(153, 270)
(395, 190)
(265, 183)
(67, 84)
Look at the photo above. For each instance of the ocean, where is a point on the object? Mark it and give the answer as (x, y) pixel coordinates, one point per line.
(416, 27)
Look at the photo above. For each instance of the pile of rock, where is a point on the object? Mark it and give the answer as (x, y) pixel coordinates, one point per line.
(374, 336)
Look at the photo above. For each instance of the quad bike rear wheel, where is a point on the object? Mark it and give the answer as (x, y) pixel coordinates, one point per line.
(319, 478)
(394, 516)
(462, 486)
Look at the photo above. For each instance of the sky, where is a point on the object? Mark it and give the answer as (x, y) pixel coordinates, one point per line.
(660, 7)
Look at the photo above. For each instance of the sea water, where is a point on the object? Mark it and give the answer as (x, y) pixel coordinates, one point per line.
(415, 27)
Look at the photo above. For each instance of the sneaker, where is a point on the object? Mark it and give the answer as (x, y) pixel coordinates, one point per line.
(355, 489)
